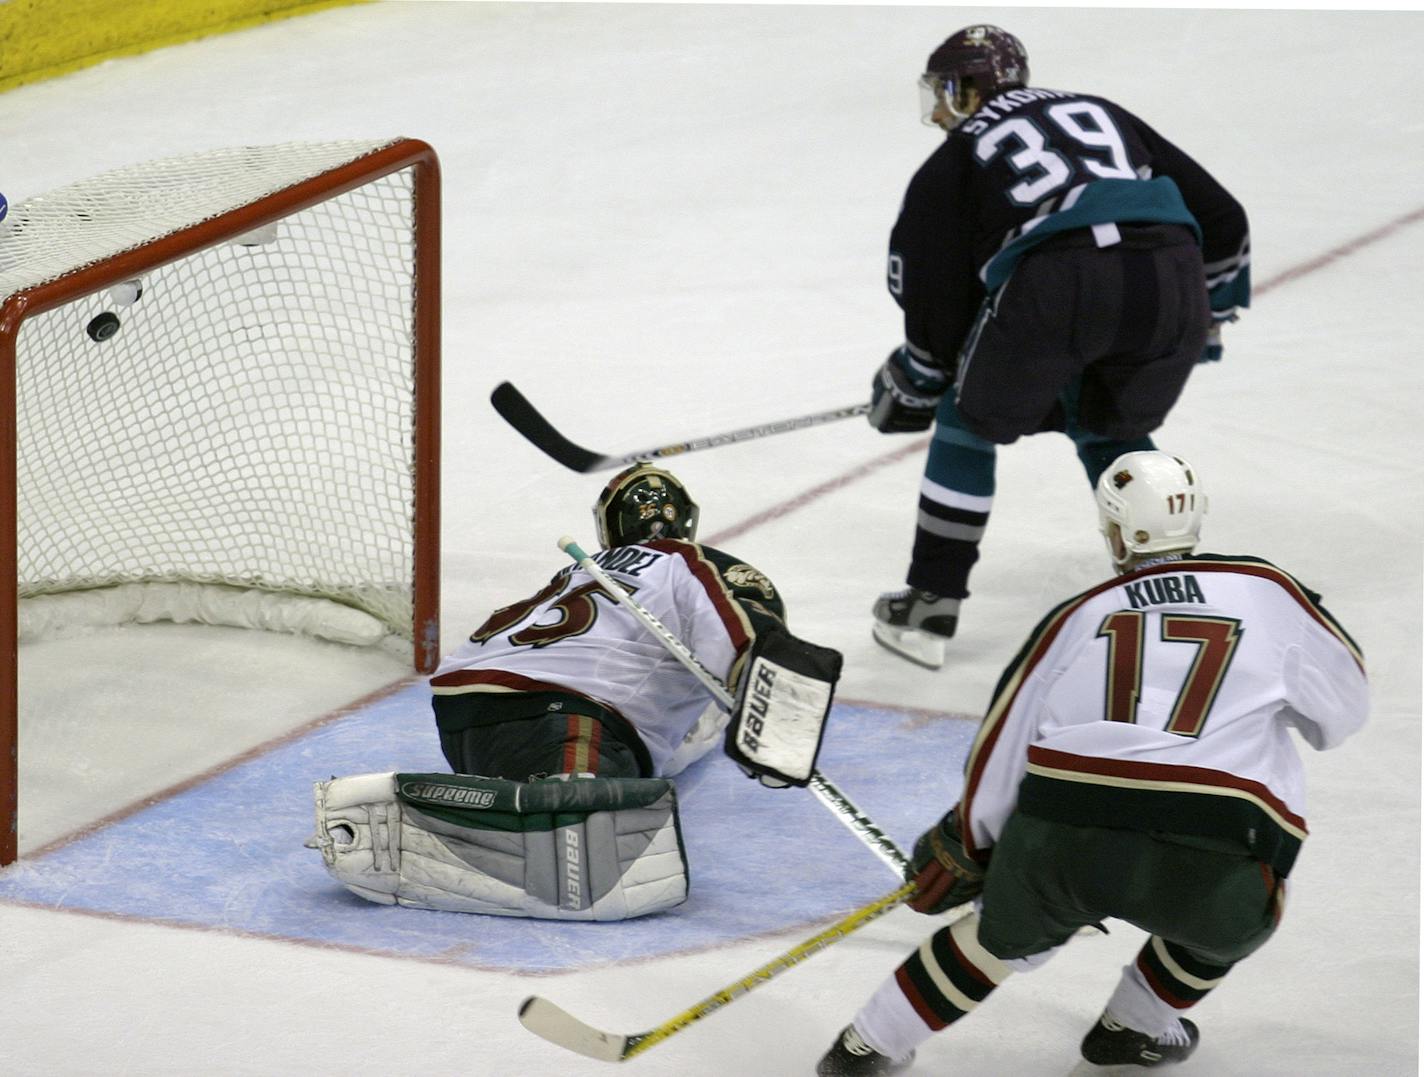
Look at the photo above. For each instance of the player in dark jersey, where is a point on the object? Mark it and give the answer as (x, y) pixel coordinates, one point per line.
(1061, 266)
(1139, 761)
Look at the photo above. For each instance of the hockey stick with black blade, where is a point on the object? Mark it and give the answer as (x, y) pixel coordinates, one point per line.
(524, 417)
(555, 1024)
(855, 820)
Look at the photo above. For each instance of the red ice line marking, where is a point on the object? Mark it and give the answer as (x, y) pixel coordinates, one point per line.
(800, 501)
(221, 768)
(451, 958)
(1343, 251)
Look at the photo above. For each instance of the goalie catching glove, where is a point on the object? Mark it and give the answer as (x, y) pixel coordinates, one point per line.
(780, 713)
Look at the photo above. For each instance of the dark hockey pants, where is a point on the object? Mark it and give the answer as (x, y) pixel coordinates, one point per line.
(1094, 343)
(526, 736)
(1204, 909)
(1048, 879)
(1124, 323)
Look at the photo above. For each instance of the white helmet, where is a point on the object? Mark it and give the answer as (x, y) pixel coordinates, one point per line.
(1156, 502)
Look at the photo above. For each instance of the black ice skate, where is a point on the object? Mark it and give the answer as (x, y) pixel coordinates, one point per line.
(915, 625)
(851, 1056)
(1112, 1044)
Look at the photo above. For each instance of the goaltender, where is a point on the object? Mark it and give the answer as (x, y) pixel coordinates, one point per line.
(563, 719)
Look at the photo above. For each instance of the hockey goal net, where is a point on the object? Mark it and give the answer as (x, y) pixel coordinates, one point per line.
(220, 383)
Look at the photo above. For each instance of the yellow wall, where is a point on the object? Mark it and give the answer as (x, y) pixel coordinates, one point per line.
(40, 39)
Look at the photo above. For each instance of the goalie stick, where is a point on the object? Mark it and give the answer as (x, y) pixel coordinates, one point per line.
(854, 819)
(553, 1023)
(524, 417)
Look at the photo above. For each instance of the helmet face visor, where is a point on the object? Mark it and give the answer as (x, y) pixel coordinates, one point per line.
(935, 92)
(944, 100)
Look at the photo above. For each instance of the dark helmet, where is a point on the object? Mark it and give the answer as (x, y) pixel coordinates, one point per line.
(985, 57)
(644, 502)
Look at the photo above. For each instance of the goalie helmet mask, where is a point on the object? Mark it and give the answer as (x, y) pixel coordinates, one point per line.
(642, 503)
(982, 58)
(1155, 503)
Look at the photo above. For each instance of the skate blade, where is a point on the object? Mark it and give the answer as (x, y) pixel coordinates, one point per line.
(923, 648)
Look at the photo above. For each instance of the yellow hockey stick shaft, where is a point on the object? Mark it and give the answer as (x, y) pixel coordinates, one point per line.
(812, 946)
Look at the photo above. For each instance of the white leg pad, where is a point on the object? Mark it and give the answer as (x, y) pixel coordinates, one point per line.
(611, 864)
(358, 834)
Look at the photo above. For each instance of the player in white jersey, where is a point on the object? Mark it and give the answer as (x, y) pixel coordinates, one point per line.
(1136, 762)
(563, 717)
(589, 689)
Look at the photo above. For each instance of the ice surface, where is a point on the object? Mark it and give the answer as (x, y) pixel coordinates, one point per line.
(668, 221)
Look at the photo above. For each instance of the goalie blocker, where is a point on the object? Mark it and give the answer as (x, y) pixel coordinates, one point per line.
(561, 849)
(780, 713)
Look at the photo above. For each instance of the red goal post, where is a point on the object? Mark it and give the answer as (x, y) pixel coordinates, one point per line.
(221, 374)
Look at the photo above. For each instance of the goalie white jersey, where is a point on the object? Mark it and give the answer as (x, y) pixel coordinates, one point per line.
(574, 637)
(1163, 700)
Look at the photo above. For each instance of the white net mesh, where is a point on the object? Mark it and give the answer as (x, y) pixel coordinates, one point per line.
(251, 421)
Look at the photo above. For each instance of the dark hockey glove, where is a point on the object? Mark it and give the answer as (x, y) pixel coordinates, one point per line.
(780, 713)
(903, 398)
(944, 873)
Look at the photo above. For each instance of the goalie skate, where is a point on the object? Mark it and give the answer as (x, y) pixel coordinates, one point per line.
(915, 625)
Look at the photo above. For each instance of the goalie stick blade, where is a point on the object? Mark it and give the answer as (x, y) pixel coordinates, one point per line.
(559, 1027)
(524, 417)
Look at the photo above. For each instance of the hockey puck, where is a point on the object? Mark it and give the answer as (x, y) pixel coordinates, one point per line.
(102, 326)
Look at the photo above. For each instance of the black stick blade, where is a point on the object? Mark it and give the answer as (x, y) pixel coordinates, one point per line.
(524, 417)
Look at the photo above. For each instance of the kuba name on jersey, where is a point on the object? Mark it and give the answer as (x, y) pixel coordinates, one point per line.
(1164, 591)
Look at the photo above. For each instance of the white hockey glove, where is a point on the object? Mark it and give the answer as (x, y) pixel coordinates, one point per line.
(780, 713)
(1212, 349)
